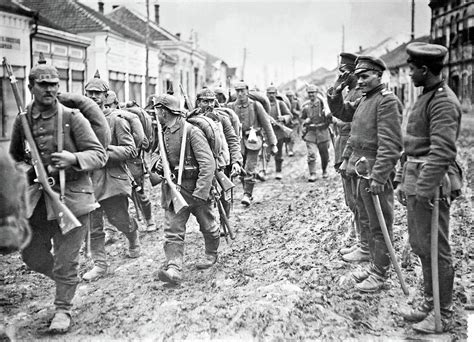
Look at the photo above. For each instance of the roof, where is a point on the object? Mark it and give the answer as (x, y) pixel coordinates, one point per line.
(398, 56)
(75, 17)
(132, 20)
(10, 6)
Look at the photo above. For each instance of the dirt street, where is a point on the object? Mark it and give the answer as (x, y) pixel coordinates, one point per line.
(281, 279)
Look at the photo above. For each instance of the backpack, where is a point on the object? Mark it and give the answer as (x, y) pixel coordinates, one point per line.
(135, 127)
(147, 124)
(214, 134)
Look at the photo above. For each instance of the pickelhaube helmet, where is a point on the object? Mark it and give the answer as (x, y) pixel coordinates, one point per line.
(272, 89)
(97, 84)
(206, 94)
(311, 88)
(241, 85)
(43, 73)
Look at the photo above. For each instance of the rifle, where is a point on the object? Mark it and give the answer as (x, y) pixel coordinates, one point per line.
(66, 219)
(186, 98)
(179, 203)
(286, 130)
(135, 189)
(223, 216)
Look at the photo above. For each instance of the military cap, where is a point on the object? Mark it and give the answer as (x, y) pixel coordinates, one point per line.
(220, 90)
(290, 93)
(311, 88)
(241, 85)
(426, 53)
(206, 94)
(111, 98)
(365, 63)
(43, 73)
(272, 89)
(348, 59)
(168, 101)
(97, 84)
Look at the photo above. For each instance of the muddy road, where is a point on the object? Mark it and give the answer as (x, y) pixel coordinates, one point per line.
(281, 279)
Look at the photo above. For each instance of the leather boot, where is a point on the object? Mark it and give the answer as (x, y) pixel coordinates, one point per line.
(248, 190)
(134, 244)
(95, 273)
(346, 250)
(419, 313)
(207, 261)
(357, 255)
(361, 274)
(170, 275)
(61, 323)
(372, 283)
(325, 174)
(427, 326)
(150, 224)
(312, 177)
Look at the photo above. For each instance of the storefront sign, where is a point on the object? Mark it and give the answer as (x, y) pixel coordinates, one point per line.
(9, 43)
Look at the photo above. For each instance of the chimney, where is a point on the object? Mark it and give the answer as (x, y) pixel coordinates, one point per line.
(157, 14)
(101, 7)
(178, 35)
(115, 6)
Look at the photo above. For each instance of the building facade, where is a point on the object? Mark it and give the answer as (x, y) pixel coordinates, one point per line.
(452, 25)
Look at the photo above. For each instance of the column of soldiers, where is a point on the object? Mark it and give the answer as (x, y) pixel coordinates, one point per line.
(368, 147)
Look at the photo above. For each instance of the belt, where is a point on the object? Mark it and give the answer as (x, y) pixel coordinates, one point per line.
(417, 159)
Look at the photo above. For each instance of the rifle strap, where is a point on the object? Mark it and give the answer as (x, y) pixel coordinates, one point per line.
(182, 152)
(62, 172)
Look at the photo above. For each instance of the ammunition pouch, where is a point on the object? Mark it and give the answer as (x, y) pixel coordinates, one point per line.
(452, 182)
(189, 172)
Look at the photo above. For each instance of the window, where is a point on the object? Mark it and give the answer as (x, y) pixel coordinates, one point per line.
(77, 84)
(8, 107)
(63, 79)
(152, 81)
(135, 88)
(117, 84)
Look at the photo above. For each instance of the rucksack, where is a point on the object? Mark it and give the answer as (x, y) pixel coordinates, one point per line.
(214, 134)
(147, 124)
(135, 127)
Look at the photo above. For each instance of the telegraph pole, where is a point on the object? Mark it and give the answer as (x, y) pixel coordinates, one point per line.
(147, 47)
(312, 58)
(412, 19)
(343, 39)
(243, 65)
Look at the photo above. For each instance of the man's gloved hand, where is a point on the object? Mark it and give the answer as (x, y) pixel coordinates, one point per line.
(343, 168)
(401, 196)
(376, 188)
(425, 202)
(273, 149)
(236, 169)
(341, 81)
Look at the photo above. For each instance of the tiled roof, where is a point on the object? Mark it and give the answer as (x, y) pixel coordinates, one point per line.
(398, 56)
(13, 7)
(129, 19)
(75, 17)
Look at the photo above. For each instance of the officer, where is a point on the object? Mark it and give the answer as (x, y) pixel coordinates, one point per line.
(112, 186)
(295, 122)
(315, 132)
(195, 187)
(253, 119)
(375, 135)
(282, 115)
(347, 80)
(82, 152)
(430, 147)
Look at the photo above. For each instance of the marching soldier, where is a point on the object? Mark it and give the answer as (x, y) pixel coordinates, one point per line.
(112, 185)
(295, 122)
(195, 188)
(221, 99)
(82, 152)
(430, 147)
(315, 132)
(359, 251)
(253, 119)
(281, 114)
(375, 135)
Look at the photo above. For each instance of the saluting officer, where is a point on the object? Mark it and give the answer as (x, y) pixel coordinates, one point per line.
(196, 187)
(253, 118)
(375, 135)
(82, 152)
(430, 147)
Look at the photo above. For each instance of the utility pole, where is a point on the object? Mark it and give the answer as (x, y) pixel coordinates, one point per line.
(412, 19)
(147, 47)
(243, 65)
(312, 58)
(343, 39)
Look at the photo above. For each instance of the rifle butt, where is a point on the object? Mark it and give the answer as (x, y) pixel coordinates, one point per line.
(179, 203)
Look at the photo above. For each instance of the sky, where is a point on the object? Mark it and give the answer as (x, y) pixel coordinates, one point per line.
(283, 39)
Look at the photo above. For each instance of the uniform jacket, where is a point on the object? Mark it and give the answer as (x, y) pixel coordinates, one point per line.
(431, 132)
(315, 112)
(79, 138)
(280, 111)
(198, 156)
(376, 133)
(112, 180)
(233, 141)
(252, 114)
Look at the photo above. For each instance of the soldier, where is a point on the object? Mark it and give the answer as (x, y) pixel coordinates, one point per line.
(280, 114)
(195, 188)
(206, 99)
(375, 135)
(221, 99)
(295, 122)
(315, 132)
(359, 251)
(253, 119)
(430, 147)
(82, 152)
(112, 185)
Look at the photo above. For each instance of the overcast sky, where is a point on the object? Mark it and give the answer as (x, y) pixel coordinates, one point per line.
(280, 35)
